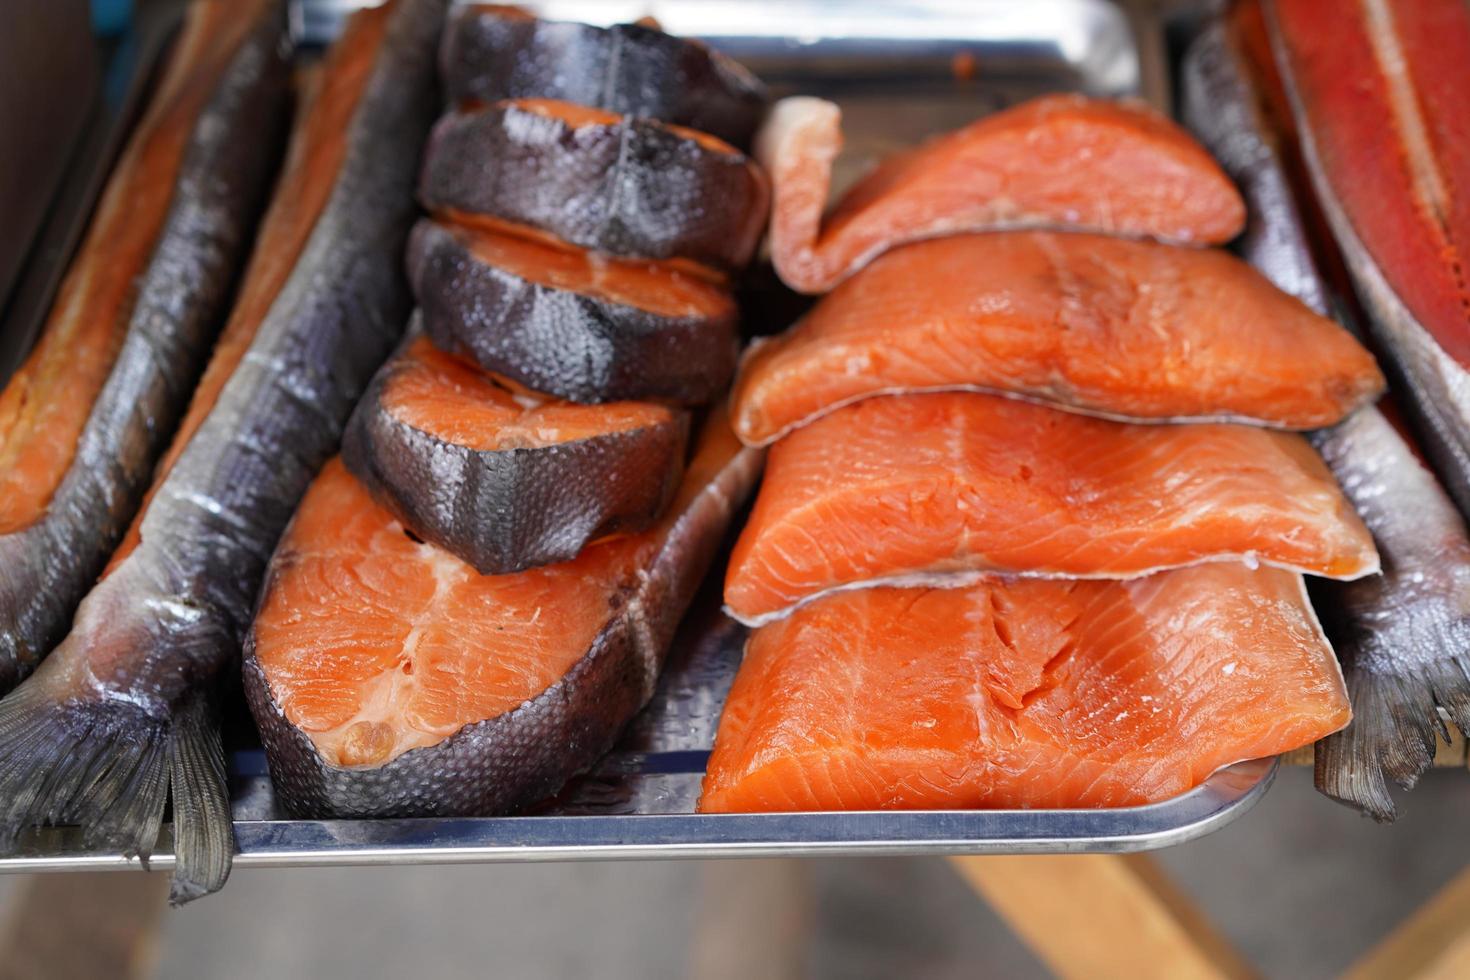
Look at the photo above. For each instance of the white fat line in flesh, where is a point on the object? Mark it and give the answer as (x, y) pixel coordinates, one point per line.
(613, 206)
(1429, 183)
(1030, 398)
(527, 402)
(644, 642)
(963, 578)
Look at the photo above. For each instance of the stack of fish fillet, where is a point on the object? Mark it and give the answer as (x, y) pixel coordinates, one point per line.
(475, 599)
(1035, 519)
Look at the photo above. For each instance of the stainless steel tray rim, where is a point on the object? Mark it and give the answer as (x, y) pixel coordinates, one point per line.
(448, 840)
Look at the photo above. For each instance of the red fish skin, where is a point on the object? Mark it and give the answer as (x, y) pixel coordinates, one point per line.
(1382, 87)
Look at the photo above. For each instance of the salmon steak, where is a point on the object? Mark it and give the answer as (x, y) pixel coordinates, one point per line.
(940, 488)
(491, 53)
(1378, 90)
(572, 323)
(1105, 326)
(388, 678)
(626, 186)
(501, 477)
(121, 719)
(1060, 161)
(1018, 693)
(1402, 637)
(85, 418)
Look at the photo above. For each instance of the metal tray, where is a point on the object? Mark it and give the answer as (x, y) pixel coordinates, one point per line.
(892, 67)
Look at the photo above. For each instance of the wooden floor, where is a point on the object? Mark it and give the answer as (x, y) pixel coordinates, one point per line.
(42, 936)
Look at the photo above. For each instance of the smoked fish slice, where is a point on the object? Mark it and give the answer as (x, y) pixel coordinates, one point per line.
(390, 679)
(1377, 91)
(1403, 637)
(493, 52)
(941, 488)
(622, 185)
(1104, 326)
(118, 721)
(1060, 161)
(1023, 693)
(570, 322)
(83, 421)
(505, 478)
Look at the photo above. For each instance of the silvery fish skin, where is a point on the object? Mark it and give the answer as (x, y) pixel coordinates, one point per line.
(182, 295)
(120, 712)
(1402, 636)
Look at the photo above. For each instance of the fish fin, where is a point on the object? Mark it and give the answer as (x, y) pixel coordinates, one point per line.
(94, 763)
(1392, 736)
(204, 833)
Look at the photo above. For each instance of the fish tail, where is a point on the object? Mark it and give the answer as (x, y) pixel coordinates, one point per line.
(82, 761)
(1392, 736)
(109, 766)
(204, 833)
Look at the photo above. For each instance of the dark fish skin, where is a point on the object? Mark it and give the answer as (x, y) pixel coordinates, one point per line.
(182, 296)
(1403, 636)
(1432, 384)
(631, 187)
(517, 759)
(492, 53)
(510, 509)
(568, 344)
(87, 737)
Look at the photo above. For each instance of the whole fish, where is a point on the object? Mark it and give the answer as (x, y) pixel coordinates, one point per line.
(118, 719)
(1378, 93)
(83, 421)
(1403, 637)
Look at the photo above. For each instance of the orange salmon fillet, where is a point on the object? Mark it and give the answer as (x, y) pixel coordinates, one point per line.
(953, 484)
(1099, 325)
(1058, 161)
(1024, 693)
